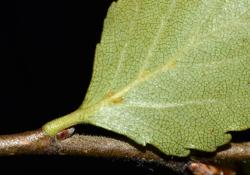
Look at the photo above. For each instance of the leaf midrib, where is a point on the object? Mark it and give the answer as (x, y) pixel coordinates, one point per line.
(145, 75)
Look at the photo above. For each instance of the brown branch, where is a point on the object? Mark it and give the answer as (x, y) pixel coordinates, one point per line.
(36, 142)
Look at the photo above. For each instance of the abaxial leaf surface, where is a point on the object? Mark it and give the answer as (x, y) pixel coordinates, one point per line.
(173, 73)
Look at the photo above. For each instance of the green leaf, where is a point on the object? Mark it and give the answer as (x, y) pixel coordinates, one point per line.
(171, 73)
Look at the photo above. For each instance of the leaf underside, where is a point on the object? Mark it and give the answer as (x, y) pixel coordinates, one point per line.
(173, 73)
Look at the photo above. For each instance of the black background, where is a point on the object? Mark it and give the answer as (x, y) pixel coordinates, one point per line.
(47, 52)
(46, 56)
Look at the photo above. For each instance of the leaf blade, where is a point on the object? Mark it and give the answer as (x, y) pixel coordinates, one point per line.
(173, 74)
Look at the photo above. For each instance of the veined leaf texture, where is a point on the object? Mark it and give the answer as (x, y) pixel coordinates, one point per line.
(171, 73)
